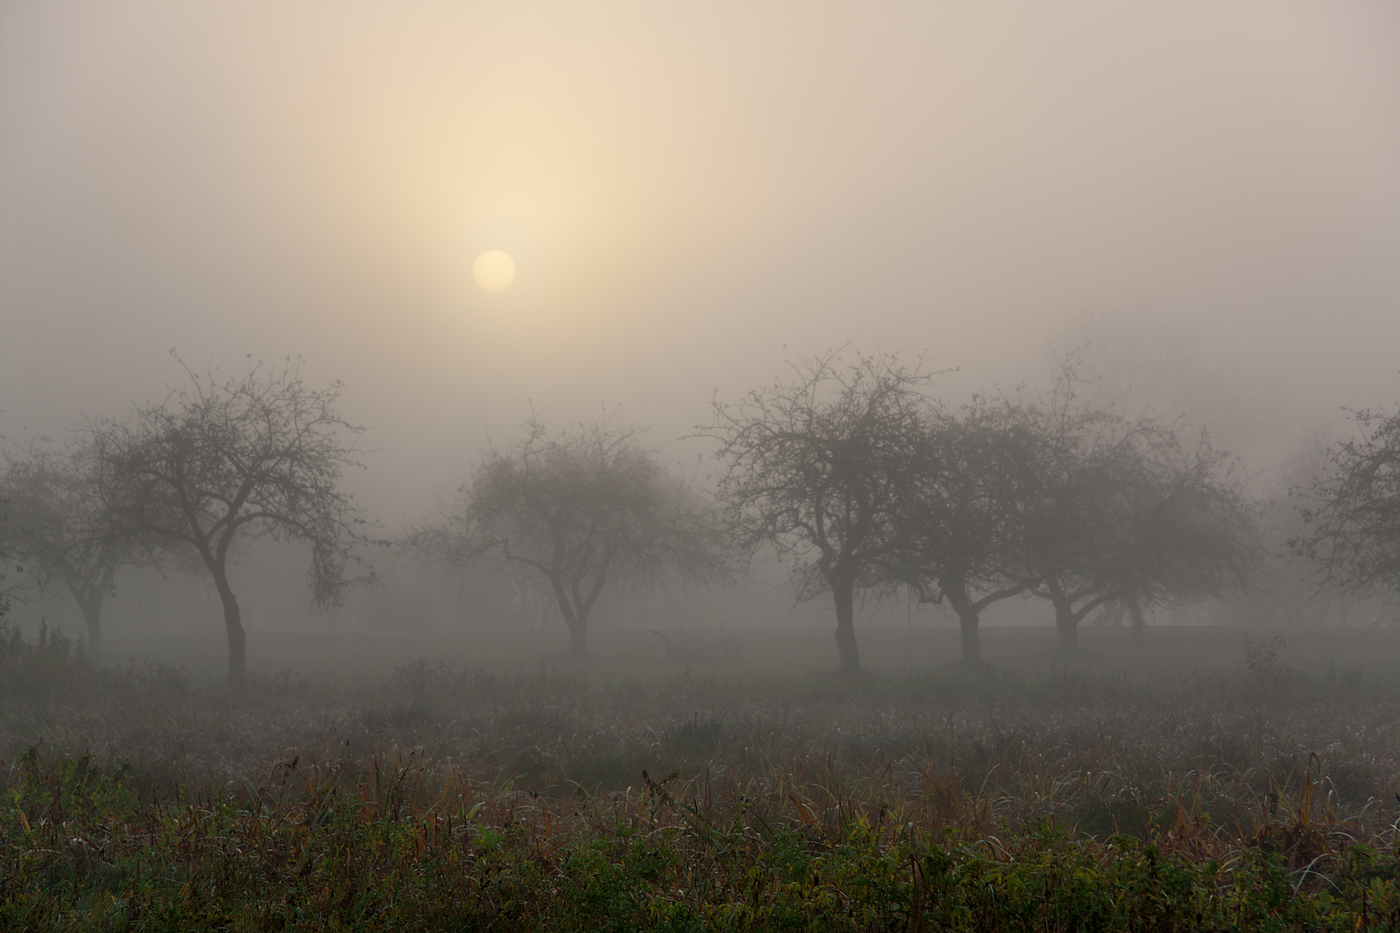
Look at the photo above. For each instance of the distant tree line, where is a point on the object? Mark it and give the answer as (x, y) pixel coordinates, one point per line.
(852, 473)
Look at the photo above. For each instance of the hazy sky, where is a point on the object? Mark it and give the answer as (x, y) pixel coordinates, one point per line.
(685, 194)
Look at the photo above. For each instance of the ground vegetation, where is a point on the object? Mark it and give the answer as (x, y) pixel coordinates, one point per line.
(446, 797)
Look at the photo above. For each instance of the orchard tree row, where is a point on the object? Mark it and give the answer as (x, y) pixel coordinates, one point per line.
(181, 483)
(852, 473)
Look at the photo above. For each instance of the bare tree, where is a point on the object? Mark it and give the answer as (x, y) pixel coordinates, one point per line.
(1189, 533)
(61, 524)
(222, 462)
(1284, 583)
(826, 466)
(1117, 510)
(1353, 511)
(969, 513)
(581, 509)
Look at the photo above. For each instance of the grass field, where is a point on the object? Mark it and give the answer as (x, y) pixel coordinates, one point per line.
(641, 655)
(417, 781)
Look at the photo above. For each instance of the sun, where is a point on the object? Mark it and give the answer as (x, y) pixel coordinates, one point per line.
(494, 270)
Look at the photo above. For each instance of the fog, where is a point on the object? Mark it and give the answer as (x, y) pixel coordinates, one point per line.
(1204, 193)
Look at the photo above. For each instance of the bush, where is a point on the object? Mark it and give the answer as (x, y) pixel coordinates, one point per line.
(40, 671)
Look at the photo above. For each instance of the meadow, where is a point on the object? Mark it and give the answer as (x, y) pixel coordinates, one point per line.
(1210, 779)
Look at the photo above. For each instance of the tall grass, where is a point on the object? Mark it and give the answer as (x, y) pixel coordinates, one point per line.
(139, 799)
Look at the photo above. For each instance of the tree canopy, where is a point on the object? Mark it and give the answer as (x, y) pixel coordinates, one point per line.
(222, 462)
(581, 508)
(1352, 513)
(62, 524)
(1117, 509)
(968, 516)
(826, 466)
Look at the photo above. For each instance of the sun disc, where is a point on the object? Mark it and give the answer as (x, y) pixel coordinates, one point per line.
(494, 270)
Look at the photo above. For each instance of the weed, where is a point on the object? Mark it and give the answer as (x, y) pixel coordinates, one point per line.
(450, 800)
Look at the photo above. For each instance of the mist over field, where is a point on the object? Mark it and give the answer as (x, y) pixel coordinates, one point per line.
(525, 393)
(1202, 196)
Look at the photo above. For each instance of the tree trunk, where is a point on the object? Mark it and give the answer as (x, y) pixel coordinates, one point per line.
(578, 638)
(968, 617)
(1135, 612)
(971, 639)
(575, 617)
(1066, 622)
(844, 594)
(92, 615)
(233, 623)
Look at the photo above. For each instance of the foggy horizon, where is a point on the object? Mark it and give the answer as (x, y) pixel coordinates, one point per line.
(690, 197)
(1204, 195)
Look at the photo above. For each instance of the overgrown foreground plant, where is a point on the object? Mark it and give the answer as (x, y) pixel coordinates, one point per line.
(454, 801)
(80, 852)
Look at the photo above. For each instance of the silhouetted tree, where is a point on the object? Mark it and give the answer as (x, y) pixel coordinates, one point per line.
(61, 525)
(1116, 510)
(1189, 533)
(581, 509)
(826, 467)
(1283, 589)
(968, 515)
(220, 463)
(1353, 510)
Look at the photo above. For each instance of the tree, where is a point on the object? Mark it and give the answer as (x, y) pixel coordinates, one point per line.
(1283, 588)
(826, 467)
(1190, 533)
(1353, 519)
(221, 463)
(968, 513)
(1078, 518)
(61, 524)
(581, 509)
(1117, 510)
